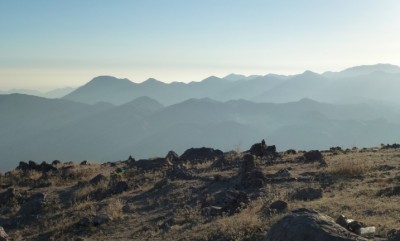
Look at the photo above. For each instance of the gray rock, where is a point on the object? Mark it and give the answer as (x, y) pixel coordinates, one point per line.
(309, 225)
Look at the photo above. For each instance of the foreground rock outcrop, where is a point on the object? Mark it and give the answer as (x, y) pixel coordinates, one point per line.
(309, 225)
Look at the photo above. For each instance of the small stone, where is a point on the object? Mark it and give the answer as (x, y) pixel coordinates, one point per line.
(366, 231)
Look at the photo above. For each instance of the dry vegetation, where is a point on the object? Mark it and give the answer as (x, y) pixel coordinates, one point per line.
(157, 207)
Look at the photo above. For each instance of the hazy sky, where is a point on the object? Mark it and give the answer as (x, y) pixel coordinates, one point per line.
(46, 44)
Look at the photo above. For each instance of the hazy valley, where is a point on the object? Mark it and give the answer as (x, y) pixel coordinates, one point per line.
(110, 119)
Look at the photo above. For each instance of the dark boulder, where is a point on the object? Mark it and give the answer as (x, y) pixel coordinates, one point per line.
(307, 194)
(152, 165)
(291, 152)
(44, 167)
(23, 166)
(55, 163)
(262, 150)
(250, 176)
(33, 166)
(279, 206)
(309, 225)
(172, 157)
(201, 154)
(312, 156)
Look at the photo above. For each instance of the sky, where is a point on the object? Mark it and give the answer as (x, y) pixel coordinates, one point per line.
(47, 44)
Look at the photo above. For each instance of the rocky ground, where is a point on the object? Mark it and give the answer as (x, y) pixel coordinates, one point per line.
(206, 194)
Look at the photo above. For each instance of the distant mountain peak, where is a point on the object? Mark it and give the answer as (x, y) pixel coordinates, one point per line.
(363, 70)
(234, 77)
(106, 79)
(211, 78)
(152, 81)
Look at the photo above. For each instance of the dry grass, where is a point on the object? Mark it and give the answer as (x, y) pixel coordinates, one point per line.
(350, 168)
(114, 208)
(142, 211)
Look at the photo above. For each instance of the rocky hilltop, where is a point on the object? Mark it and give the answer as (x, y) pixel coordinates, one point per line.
(206, 194)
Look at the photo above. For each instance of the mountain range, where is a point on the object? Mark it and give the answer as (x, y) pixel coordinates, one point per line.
(353, 85)
(109, 119)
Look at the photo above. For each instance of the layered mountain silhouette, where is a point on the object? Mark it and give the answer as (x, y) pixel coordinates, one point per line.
(109, 118)
(40, 129)
(353, 85)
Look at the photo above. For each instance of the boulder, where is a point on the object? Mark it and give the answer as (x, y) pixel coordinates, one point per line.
(33, 166)
(309, 225)
(262, 150)
(312, 156)
(307, 194)
(84, 163)
(172, 157)
(279, 206)
(355, 226)
(394, 235)
(3, 235)
(44, 167)
(55, 163)
(201, 154)
(155, 164)
(291, 152)
(250, 175)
